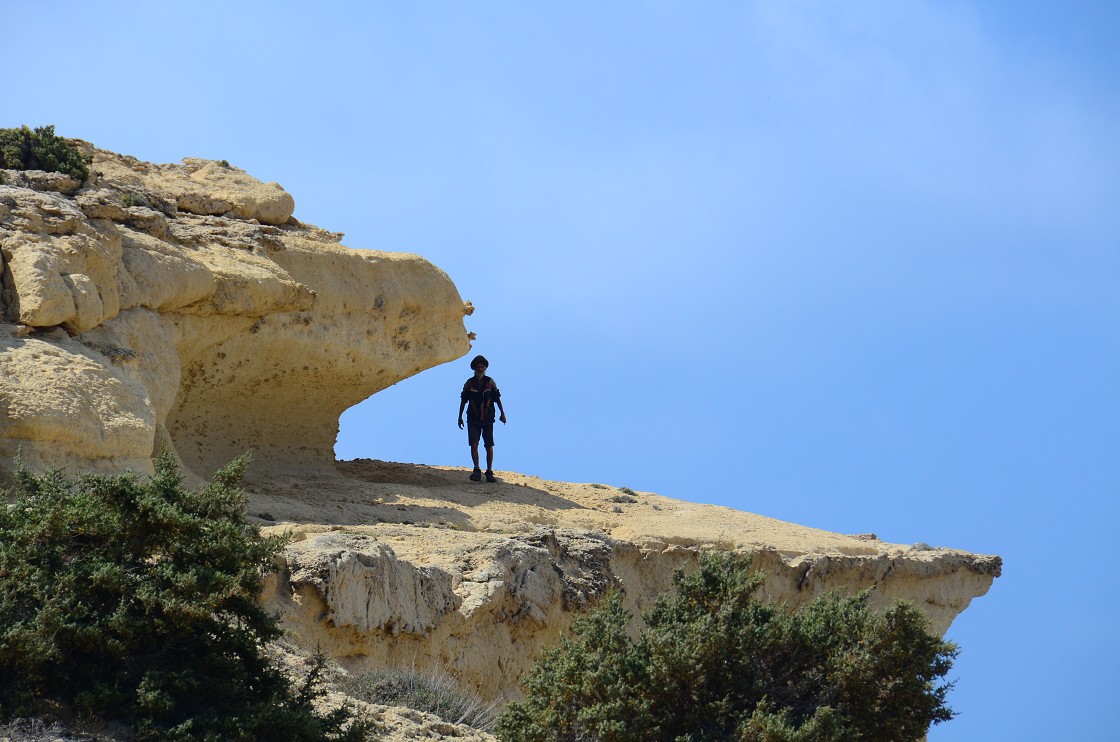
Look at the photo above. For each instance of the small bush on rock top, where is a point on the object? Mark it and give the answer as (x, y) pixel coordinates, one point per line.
(715, 662)
(131, 599)
(41, 149)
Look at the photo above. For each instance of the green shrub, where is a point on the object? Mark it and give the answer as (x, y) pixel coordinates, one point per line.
(434, 692)
(41, 149)
(132, 599)
(131, 198)
(714, 662)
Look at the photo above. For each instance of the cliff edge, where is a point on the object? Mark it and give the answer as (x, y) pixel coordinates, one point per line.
(410, 565)
(183, 306)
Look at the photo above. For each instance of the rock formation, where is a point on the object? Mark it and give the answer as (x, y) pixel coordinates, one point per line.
(183, 306)
(407, 565)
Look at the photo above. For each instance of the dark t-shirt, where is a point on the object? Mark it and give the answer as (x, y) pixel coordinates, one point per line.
(480, 396)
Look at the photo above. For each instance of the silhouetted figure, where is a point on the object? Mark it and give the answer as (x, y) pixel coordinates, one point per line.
(480, 396)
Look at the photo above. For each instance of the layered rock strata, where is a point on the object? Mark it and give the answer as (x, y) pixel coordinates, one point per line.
(183, 306)
(417, 567)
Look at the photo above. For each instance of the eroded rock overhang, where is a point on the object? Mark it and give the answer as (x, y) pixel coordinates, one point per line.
(183, 306)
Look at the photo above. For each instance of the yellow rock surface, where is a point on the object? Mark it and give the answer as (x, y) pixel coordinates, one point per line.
(183, 306)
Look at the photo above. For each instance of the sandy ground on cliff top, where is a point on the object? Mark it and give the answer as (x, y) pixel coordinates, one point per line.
(380, 497)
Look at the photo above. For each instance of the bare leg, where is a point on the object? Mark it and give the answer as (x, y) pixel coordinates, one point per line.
(474, 454)
(489, 458)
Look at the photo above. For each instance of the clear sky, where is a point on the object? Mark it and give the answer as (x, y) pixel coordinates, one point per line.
(854, 265)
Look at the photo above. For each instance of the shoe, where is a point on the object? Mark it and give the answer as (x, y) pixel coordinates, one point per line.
(476, 475)
(490, 476)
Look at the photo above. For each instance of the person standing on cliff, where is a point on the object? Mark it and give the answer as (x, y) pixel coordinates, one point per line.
(480, 396)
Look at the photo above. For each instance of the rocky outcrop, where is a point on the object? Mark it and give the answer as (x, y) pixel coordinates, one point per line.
(418, 567)
(183, 306)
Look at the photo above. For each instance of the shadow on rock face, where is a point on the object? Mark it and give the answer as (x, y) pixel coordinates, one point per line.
(368, 492)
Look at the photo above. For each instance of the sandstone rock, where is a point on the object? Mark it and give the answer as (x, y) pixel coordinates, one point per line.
(41, 181)
(522, 557)
(63, 401)
(203, 187)
(221, 333)
(364, 585)
(103, 203)
(160, 276)
(139, 343)
(401, 724)
(34, 212)
(183, 306)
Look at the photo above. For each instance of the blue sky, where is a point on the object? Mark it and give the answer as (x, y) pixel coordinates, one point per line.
(852, 265)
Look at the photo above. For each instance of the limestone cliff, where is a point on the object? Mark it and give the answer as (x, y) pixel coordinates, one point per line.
(183, 305)
(409, 565)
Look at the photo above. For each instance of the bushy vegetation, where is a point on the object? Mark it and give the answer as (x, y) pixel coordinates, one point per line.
(133, 600)
(434, 692)
(131, 198)
(715, 662)
(40, 149)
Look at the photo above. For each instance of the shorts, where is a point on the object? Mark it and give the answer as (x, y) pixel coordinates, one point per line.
(476, 430)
